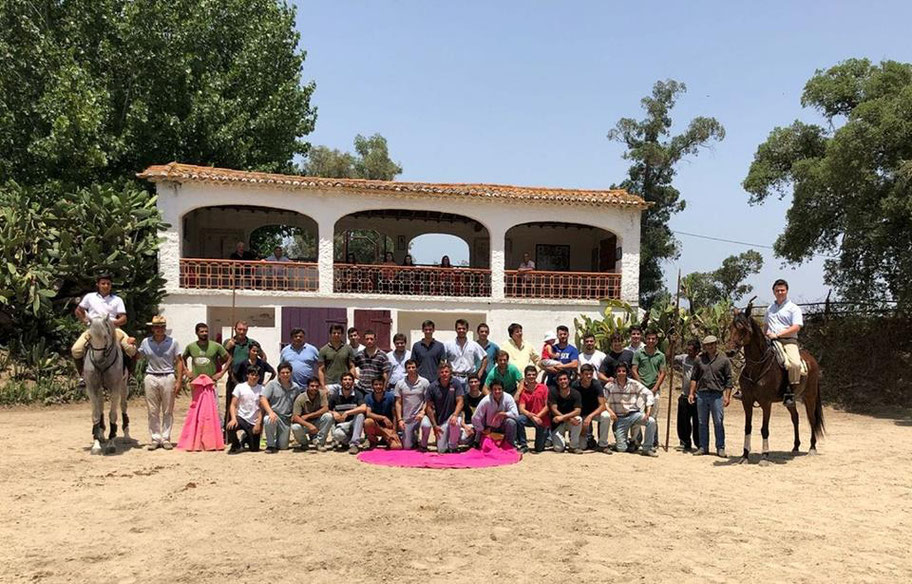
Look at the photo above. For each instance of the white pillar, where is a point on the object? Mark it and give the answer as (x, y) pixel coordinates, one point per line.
(169, 250)
(498, 262)
(326, 229)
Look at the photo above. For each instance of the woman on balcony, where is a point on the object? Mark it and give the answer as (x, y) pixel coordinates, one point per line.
(388, 275)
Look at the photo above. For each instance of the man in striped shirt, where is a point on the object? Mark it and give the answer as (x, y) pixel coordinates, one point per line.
(628, 403)
(372, 363)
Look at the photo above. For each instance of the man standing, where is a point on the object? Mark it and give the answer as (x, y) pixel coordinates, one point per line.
(624, 399)
(490, 348)
(504, 372)
(496, 413)
(636, 338)
(278, 255)
(277, 276)
(710, 388)
(593, 404)
(466, 357)
(397, 358)
(101, 304)
(782, 323)
(372, 363)
(348, 411)
(533, 411)
(354, 340)
(301, 356)
(164, 371)
(521, 354)
(238, 347)
(688, 421)
(241, 253)
(616, 354)
(380, 414)
(205, 357)
(566, 405)
(649, 369)
(311, 420)
(443, 411)
(566, 353)
(277, 401)
(411, 399)
(428, 352)
(590, 354)
(334, 359)
(245, 414)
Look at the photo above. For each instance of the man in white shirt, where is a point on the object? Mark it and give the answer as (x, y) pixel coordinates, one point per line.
(590, 354)
(466, 357)
(101, 304)
(397, 358)
(245, 413)
(782, 323)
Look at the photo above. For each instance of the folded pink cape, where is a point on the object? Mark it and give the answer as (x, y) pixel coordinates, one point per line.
(202, 428)
(490, 455)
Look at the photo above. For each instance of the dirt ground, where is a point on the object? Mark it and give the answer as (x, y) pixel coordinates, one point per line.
(138, 516)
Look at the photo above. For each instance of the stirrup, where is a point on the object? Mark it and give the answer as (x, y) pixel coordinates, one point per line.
(788, 399)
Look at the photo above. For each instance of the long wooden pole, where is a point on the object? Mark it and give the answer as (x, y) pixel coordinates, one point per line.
(669, 361)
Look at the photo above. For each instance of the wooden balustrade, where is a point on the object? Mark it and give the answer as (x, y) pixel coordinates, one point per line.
(258, 275)
(411, 280)
(562, 285)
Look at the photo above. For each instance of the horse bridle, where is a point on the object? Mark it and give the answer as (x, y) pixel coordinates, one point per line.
(767, 359)
(107, 351)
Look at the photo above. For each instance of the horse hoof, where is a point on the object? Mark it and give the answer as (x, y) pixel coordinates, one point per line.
(764, 462)
(110, 448)
(812, 452)
(96, 448)
(744, 460)
(126, 436)
(796, 450)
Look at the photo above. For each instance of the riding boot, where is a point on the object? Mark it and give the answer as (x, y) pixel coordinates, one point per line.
(788, 399)
(80, 361)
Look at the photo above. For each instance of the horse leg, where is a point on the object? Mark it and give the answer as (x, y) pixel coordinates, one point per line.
(112, 418)
(767, 407)
(748, 405)
(810, 406)
(793, 412)
(124, 418)
(98, 425)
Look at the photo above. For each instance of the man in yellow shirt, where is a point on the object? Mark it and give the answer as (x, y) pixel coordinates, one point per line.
(521, 353)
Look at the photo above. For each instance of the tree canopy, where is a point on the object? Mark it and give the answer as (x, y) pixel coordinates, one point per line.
(370, 161)
(724, 283)
(850, 180)
(655, 153)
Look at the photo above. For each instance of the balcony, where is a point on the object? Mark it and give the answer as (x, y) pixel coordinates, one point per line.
(562, 285)
(257, 275)
(411, 280)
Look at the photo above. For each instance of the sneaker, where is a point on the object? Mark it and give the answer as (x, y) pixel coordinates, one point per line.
(271, 450)
(300, 448)
(607, 450)
(574, 450)
(154, 446)
(167, 445)
(236, 449)
(321, 448)
(650, 452)
(700, 452)
(353, 449)
(721, 453)
(523, 449)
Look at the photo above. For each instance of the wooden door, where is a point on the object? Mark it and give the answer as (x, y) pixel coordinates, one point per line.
(378, 321)
(314, 321)
(607, 252)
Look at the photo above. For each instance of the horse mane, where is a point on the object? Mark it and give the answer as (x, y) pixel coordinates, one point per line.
(103, 327)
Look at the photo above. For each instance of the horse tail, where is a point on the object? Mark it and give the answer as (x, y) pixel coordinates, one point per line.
(817, 427)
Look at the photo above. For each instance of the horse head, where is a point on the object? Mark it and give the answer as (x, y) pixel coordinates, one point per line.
(101, 333)
(743, 327)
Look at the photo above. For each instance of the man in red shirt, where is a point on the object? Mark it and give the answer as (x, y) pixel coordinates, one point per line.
(532, 399)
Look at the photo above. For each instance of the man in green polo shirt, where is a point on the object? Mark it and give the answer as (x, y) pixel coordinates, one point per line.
(649, 369)
(205, 357)
(335, 358)
(504, 372)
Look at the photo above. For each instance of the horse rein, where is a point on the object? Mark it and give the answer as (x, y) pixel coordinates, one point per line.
(766, 359)
(108, 351)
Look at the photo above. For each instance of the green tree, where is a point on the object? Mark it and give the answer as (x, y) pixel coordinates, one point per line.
(850, 180)
(724, 283)
(371, 161)
(655, 153)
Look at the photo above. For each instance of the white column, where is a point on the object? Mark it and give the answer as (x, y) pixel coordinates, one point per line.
(169, 250)
(326, 229)
(498, 262)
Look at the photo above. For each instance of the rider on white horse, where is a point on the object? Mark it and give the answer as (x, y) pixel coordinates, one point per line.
(104, 304)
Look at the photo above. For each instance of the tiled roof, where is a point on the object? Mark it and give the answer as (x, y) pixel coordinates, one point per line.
(181, 173)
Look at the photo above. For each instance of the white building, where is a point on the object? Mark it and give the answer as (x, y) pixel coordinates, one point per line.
(585, 244)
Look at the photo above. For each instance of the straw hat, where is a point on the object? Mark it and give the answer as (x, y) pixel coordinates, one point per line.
(157, 320)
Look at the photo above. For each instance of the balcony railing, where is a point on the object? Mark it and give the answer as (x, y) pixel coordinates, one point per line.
(259, 275)
(562, 285)
(411, 280)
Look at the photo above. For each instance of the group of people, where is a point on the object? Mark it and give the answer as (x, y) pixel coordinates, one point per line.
(351, 395)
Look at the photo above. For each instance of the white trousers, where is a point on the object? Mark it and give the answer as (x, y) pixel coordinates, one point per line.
(160, 403)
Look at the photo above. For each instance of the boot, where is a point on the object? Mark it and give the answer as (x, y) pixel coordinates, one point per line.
(788, 399)
(80, 361)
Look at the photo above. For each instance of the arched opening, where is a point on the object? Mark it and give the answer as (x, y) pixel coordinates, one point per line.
(234, 247)
(551, 259)
(379, 256)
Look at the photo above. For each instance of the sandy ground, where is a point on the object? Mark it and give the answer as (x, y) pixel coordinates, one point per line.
(138, 516)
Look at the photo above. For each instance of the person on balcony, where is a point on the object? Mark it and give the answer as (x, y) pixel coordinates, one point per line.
(244, 274)
(521, 354)
(241, 253)
(387, 283)
(428, 352)
(277, 276)
(524, 273)
(466, 356)
(445, 262)
(278, 255)
(526, 265)
(334, 359)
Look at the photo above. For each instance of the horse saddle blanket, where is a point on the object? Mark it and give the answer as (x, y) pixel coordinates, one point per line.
(780, 357)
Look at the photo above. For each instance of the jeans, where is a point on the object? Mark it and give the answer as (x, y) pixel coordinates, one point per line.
(710, 403)
(252, 440)
(323, 424)
(523, 422)
(448, 439)
(410, 434)
(349, 431)
(624, 423)
(278, 432)
(558, 438)
(688, 423)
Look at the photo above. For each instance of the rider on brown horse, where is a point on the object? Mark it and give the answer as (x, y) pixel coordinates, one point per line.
(782, 323)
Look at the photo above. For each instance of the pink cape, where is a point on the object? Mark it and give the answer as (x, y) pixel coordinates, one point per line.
(490, 455)
(202, 429)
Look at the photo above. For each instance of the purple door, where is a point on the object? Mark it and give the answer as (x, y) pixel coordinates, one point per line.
(314, 321)
(378, 321)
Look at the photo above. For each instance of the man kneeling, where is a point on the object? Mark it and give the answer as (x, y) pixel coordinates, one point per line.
(628, 404)
(311, 420)
(347, 409)
(378, 422)
(496, 412)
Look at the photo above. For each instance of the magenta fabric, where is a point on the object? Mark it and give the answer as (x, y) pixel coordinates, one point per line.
(202, 428)
(491, 454)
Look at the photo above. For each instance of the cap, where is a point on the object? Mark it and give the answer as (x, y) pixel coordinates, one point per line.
(710, 339)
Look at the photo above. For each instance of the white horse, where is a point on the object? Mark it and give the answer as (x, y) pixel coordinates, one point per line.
(104, 369)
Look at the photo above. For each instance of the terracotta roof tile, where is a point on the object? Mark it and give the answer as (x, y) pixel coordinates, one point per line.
(182, 173)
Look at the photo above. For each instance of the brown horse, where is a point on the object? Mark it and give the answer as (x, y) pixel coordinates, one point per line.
(763, 380)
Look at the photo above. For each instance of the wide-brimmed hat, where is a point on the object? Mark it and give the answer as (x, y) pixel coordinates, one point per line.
(157, 320)
(709, 339)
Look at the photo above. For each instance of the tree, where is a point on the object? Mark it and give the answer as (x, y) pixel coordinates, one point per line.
(654, 155)
(851, 181)
(725, 283)
(372, 161)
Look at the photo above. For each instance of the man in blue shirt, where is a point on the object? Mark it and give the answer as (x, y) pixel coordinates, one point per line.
(566, 353)
(381, 413)
(301, 356)
(490, 348)
(428, 352)
(443, 410)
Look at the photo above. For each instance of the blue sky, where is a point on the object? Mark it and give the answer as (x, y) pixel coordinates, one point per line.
(525, 92)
